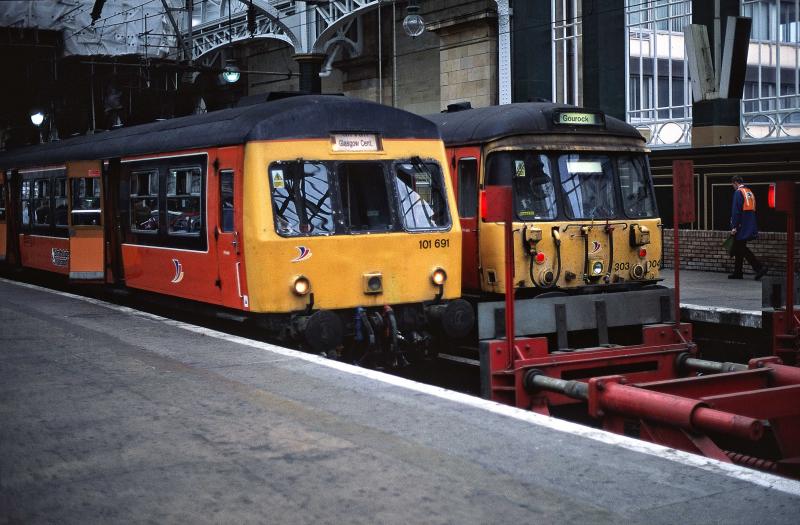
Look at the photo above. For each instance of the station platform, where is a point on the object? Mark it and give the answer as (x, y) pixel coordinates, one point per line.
(713, 298)
(112, 415)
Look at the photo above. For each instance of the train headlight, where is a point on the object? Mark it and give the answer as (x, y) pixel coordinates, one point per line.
(438, 277)
(597, 268)
(301, 286)
(373, 283)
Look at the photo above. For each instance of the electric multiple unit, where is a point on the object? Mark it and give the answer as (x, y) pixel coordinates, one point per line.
(584, 210)
(326, 219)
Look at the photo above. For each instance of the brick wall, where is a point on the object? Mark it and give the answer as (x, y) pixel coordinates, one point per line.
(702, 250)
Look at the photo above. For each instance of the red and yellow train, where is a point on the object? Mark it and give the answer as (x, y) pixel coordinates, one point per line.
(328, 220)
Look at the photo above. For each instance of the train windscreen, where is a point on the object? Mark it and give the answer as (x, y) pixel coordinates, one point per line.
(423, 205)
(338, 198)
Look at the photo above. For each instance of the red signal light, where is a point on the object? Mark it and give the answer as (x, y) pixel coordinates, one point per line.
(771, 196)
(483, 204)
(642, 253)
(540, 258)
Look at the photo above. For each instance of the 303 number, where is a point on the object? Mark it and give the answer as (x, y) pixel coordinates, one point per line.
(649, 265)
(427, 244)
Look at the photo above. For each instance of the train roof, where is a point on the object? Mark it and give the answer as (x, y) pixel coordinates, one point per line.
(478, 125)
(300, 117)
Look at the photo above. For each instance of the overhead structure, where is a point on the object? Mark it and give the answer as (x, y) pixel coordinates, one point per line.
(309, 26)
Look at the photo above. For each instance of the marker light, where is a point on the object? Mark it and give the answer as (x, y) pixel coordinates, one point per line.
(597, 268)
(484, 206)
(539, 258)
(771, 196)
(301, 285)
(642, 253)
(438, 277)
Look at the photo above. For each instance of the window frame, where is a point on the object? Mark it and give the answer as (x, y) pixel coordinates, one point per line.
(160, 237)
(188, 195)
(139, 197)
(443, 190)
(74, 195)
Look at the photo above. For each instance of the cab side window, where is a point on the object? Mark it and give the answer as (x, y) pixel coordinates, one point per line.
(226, 203)
(467, 187)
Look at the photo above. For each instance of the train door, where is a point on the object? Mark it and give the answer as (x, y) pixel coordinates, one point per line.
(86, 236)
(465, 182)
(3, 216)
(228, 227)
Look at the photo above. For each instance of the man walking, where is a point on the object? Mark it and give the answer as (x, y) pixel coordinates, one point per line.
(744, 228)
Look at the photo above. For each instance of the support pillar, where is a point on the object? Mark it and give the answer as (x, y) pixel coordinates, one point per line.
(604, 80)
(310, 66)
(532, 71)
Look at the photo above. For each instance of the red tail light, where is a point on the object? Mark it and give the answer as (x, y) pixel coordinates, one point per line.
(540, 258)
(483, 204)
(642, 253)
(771, 196)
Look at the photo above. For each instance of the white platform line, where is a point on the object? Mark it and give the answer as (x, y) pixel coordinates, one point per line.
(710, 465)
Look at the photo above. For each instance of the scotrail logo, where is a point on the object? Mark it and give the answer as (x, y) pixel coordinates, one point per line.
(304, 253)
(596, 246)
(178, 271)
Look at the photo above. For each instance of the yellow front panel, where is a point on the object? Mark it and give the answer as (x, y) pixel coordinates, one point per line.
(573, 253)
(337, 263)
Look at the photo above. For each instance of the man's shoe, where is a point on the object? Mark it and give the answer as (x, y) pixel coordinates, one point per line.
(761, 273)
(735, 276)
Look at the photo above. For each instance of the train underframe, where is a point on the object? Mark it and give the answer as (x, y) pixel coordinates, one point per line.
(378, 336)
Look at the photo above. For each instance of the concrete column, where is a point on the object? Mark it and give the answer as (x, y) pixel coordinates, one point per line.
(532, 58)
(310, 66)
(715, 122)
(604, 57)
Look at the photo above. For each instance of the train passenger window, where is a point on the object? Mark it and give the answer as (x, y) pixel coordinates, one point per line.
(301, 198)
(144, 201)
(530, 176)
(365, 199)
(588, 185)
(2, 203)
(41, 202)
(26, 191)
(638, 199)
(60, 201)
(467, 187)
(423, 205)
(183, 201)
(86, 201)
(226, 200)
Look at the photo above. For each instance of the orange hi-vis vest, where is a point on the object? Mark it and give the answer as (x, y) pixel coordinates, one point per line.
(749, 203)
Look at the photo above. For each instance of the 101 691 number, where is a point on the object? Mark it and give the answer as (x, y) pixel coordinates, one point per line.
(427, 244)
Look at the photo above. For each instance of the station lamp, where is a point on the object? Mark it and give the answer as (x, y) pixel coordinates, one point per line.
(37, 117)
(230, 73)
(413, 24)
